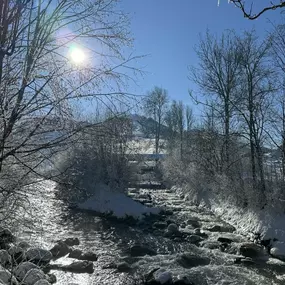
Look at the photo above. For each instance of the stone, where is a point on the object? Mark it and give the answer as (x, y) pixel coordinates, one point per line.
(80, 267)
(5, 258)
(221, 228)
(172, 230)
(163, 277)
(123, 267)
(17, 253)
(278, 250)
(38, 255)
(182, 280)
(160, 225)
(140, 250)
(188, 260)
(200, 233)
(193, 222)
(23, 245)
(71, 241)
(75, 253)
(7, 278)
(194, 238)
(60, 249)
(224, 240)
(51, 278)
(6, 236)
(252, 250)
(210, 244)
(22, 269)
(89, 255)
(33, 275)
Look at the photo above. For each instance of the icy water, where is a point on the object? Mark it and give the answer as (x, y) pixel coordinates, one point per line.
(51, 221)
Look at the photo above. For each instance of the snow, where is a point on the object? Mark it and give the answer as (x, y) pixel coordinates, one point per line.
(144, 146)
(118, 204)
(267, 222)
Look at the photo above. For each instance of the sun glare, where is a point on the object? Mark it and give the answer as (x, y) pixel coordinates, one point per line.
(77, 55)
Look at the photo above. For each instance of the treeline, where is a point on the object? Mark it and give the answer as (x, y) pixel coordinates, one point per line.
(241, 136)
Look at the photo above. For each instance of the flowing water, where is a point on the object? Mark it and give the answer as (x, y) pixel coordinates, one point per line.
(51, 220)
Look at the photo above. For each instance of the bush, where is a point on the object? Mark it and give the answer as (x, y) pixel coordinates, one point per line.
(93, 159)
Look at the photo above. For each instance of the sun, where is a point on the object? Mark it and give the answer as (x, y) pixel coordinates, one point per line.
(77, 55)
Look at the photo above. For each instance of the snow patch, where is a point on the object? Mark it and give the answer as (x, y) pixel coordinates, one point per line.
(106, 201)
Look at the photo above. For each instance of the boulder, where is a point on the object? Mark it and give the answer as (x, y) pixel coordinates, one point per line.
(78, 254)
(7, 278)
(124, 267)
(221, 228)
(253, 250)
(278, 250)
(17, 254)
(38, 255)
(200, 233)
(22, 269)
(80, 267)
(42, 282)
(23, 245)
(140, 250)
(194, 238)
(182, 280)
(160, 225)
(193, 222)
(32, 276)
(225, 240)
(188, 260)
(89, 255)
(71, 241)
(60, 249)
(75, 253)
(210, 244)
(163, 277)
(5, 258)
(6, 236)
(51, 278)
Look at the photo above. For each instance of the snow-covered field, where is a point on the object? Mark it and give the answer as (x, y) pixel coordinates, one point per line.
(117, 204)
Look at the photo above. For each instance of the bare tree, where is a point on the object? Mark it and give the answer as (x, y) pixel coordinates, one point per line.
(218, 76)
(247, 9)
(255, 100)
(155, 107)
(54, 54)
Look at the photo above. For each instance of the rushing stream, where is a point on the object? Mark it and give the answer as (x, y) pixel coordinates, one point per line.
(51, 220)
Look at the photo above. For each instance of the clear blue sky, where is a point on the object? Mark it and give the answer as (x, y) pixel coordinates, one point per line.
(167, 30)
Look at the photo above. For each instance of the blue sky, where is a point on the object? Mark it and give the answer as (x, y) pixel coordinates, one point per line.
(167, 31)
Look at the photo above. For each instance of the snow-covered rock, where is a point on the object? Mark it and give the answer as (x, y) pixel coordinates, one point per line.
(7, 278)
(32, 276)
(22, 269)
(5, 257)
(38, 254)
(278, 250)
(118, 204)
